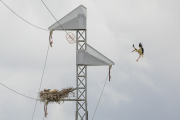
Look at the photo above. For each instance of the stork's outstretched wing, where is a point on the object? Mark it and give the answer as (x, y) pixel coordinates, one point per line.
(143, 51)
(134, 47)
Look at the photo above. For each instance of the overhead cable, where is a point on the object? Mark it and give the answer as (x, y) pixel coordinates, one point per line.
(41, 81)
(22, 18)
(17, 92)
(100, 97)
(55, 18)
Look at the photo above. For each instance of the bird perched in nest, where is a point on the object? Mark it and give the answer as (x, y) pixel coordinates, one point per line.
(46, 90)
(49, 90)
(140, 50)
(55, 90)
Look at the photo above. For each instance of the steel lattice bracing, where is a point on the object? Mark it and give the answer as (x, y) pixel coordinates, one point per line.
(85, 56)
(81, 79)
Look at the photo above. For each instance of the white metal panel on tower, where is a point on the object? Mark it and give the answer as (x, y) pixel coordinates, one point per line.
(97, 54)
(73, 21)
(91, 57)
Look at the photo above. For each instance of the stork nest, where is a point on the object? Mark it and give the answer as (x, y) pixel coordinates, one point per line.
(55, 95)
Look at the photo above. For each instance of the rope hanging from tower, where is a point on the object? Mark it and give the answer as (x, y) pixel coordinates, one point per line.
(110, 66)
(50, 38)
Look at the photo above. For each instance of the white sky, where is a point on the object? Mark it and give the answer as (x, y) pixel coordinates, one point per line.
(144, 90)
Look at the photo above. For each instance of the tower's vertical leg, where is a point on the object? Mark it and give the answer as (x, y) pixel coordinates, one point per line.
(81, 79)
(86, 78)
(76, 77)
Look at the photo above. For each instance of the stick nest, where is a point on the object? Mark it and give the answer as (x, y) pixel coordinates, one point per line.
(55, 95)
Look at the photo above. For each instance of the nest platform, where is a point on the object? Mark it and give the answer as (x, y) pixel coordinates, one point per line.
(55, 95)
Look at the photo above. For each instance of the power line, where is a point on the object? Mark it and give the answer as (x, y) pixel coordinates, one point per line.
(54, 17)
(17, 92)
(22, 18)
(100, 97)
(41, 81)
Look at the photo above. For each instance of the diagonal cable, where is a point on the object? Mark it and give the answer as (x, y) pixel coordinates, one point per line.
(22, 18)
(17, 92)
(100, 97)
(55, 18)
(41, 81)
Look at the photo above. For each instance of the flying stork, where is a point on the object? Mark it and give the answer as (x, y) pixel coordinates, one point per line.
(140, 50)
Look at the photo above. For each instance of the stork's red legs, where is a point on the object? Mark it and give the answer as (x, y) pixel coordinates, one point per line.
(138, 58)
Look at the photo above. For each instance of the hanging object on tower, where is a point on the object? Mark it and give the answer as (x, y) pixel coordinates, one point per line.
(45, 108)
(70, 37)
(50, 38)
(110, 66)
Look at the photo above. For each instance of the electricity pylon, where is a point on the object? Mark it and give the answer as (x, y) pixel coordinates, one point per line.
(85, 56)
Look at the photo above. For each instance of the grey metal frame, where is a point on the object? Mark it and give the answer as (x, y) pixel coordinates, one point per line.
(81, 79)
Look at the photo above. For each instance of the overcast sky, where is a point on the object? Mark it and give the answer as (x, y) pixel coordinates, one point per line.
(144, 90)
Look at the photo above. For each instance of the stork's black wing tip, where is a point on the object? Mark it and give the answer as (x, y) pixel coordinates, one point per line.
(143, 51)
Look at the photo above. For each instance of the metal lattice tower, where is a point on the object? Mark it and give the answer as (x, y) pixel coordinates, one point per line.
(81, 79)
(85, 56)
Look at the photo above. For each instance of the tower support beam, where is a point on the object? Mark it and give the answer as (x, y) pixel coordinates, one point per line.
(81, 79)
